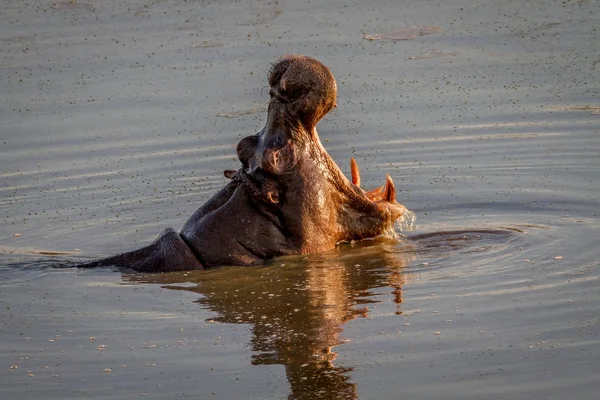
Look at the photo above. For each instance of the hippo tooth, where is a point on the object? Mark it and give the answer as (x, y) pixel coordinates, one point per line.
(355, 172)
(376, 194)
(390, 189)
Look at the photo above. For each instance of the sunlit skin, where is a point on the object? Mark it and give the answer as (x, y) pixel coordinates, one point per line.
(288, 197)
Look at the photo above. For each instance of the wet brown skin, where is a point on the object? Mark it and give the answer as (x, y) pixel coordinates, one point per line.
(319, 206)
(288, 197)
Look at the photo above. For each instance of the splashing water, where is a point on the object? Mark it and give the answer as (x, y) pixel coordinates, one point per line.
(407, 222)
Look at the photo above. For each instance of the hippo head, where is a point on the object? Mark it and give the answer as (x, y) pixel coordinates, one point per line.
(289, 197)
(317, 205)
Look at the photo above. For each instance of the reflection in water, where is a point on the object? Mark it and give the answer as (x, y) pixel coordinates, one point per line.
(297, 307)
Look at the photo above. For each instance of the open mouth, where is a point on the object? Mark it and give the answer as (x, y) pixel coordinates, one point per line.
(288, 152)
(385, 193)
(288, 195)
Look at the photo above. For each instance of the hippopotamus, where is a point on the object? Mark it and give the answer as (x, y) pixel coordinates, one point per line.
(287, 197)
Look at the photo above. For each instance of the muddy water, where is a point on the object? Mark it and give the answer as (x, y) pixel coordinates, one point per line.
(118, 119)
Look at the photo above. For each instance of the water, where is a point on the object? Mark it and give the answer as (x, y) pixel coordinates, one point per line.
(117, 121)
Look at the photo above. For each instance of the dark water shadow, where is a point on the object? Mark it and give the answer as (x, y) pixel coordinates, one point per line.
(19, 270)
(441, 245)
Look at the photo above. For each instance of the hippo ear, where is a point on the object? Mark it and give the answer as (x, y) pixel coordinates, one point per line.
(246, 149)
(229, 173)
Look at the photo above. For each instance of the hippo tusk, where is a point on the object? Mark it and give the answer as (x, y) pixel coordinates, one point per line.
(375, 194)
(390, 189)
(355, 172)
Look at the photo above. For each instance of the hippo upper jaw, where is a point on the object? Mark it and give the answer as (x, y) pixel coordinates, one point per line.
(321, 207)
(290, 197)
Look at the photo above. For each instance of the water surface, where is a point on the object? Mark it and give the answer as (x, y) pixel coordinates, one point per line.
(117, 121)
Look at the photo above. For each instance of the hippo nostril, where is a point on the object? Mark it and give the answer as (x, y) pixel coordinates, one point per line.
(291, 90)
(294, 94)
(275, 93)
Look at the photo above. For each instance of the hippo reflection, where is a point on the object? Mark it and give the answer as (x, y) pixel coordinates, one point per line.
(288, 196)
(296, 314)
